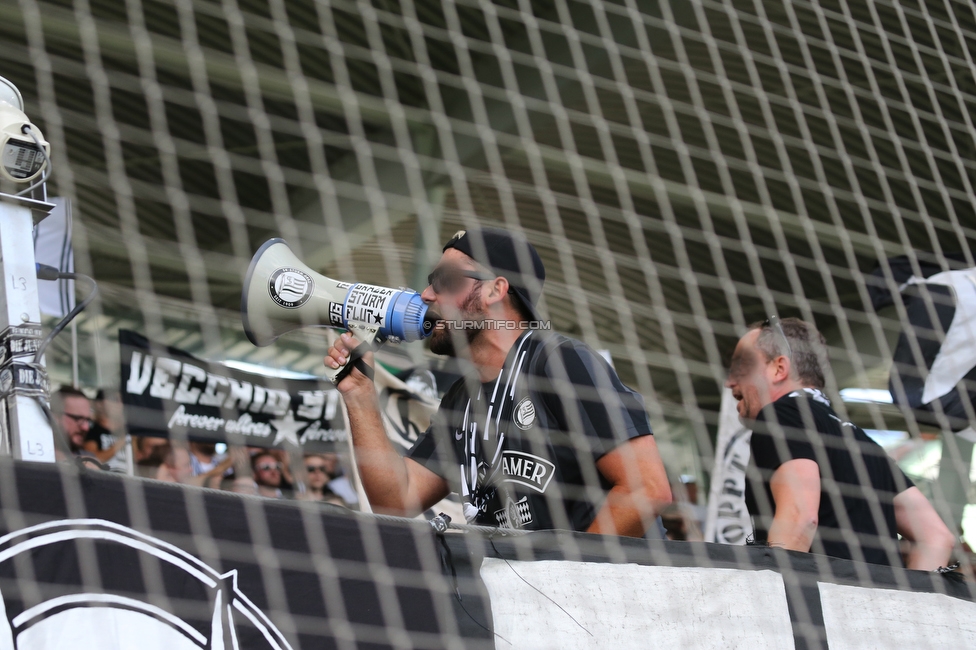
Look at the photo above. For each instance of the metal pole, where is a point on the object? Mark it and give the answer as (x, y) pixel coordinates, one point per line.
(25, 432)
(74, 354)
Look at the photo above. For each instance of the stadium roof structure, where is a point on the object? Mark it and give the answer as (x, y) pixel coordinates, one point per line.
(683, 168)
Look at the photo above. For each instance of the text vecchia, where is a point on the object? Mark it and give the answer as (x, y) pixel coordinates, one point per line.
(186, 383)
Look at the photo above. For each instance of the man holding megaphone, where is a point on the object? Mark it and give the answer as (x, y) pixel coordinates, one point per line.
(544, 436)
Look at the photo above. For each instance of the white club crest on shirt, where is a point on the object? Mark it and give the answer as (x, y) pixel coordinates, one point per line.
(524, 414)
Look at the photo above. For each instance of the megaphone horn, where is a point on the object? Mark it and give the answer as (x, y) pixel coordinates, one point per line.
(281, 294)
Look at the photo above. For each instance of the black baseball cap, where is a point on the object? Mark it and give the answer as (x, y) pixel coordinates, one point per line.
(508, 255)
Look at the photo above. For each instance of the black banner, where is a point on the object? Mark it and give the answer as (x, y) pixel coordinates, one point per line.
(168, 392)
(93, 560)
(126, 563)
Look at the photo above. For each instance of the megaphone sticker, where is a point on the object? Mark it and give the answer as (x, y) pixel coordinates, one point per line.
(335, 314)
(290, 288)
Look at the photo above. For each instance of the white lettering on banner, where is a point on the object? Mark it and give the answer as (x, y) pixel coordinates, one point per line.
(260, 394)
(161, 386)
(140, 374)
(211, 396)
(188, 384)
(278, 402)
(244, 425)
(183, 419)
(315, 432)
(184, 393)
(331, 404)
(316, 402)
(239, 396)
(367, 304)
(313, 403)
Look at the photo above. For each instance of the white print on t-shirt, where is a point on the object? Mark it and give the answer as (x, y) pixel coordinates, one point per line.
(477, 470)
(842, 422)
(815, 394)
(515, 514)
(528, 470)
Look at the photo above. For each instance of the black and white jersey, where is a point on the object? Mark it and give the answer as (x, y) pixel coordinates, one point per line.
(521, 451)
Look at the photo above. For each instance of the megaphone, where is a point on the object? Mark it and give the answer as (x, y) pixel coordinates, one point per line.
(281, 294)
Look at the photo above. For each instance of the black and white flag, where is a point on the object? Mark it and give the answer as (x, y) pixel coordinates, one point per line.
(934, 362)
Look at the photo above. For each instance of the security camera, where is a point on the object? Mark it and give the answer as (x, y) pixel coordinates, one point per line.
(23, 150)
(10, 94)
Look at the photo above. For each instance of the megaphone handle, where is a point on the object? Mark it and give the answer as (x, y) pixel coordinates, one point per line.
(367, 334)
(355, 361)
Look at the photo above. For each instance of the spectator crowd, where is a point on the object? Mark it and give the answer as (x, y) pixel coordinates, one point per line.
(93, 432)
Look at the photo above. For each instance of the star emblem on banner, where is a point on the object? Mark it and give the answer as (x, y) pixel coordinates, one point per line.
(287, 429)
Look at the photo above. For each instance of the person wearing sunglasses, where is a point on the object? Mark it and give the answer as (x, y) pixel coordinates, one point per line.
(542, 434)
(267, 475)
(815, 482)
(318, 474)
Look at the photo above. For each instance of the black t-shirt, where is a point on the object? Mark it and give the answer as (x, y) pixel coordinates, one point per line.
(521, 451)
(858, 480)
(100, 435)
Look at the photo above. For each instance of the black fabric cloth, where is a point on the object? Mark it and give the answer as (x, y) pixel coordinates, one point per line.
(100, 435)
(931, 310)
(858, 479)
(521, 451)
(902, 270)
(290, 575)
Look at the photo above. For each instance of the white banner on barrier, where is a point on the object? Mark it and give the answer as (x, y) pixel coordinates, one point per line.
(860, 618)
(567, 605)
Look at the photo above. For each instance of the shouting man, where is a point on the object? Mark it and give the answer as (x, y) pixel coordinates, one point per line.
(820, 484)
(544, 435)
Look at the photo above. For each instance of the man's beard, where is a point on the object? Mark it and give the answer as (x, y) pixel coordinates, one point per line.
(442, 341)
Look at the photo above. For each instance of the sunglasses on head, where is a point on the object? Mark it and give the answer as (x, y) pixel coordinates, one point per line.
(742, 364)
(773, 323)
(448, 279)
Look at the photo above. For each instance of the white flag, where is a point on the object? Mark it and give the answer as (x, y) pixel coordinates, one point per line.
(727, 520)
(52, 246)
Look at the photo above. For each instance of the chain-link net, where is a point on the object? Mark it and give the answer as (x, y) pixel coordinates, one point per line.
(685, 170)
